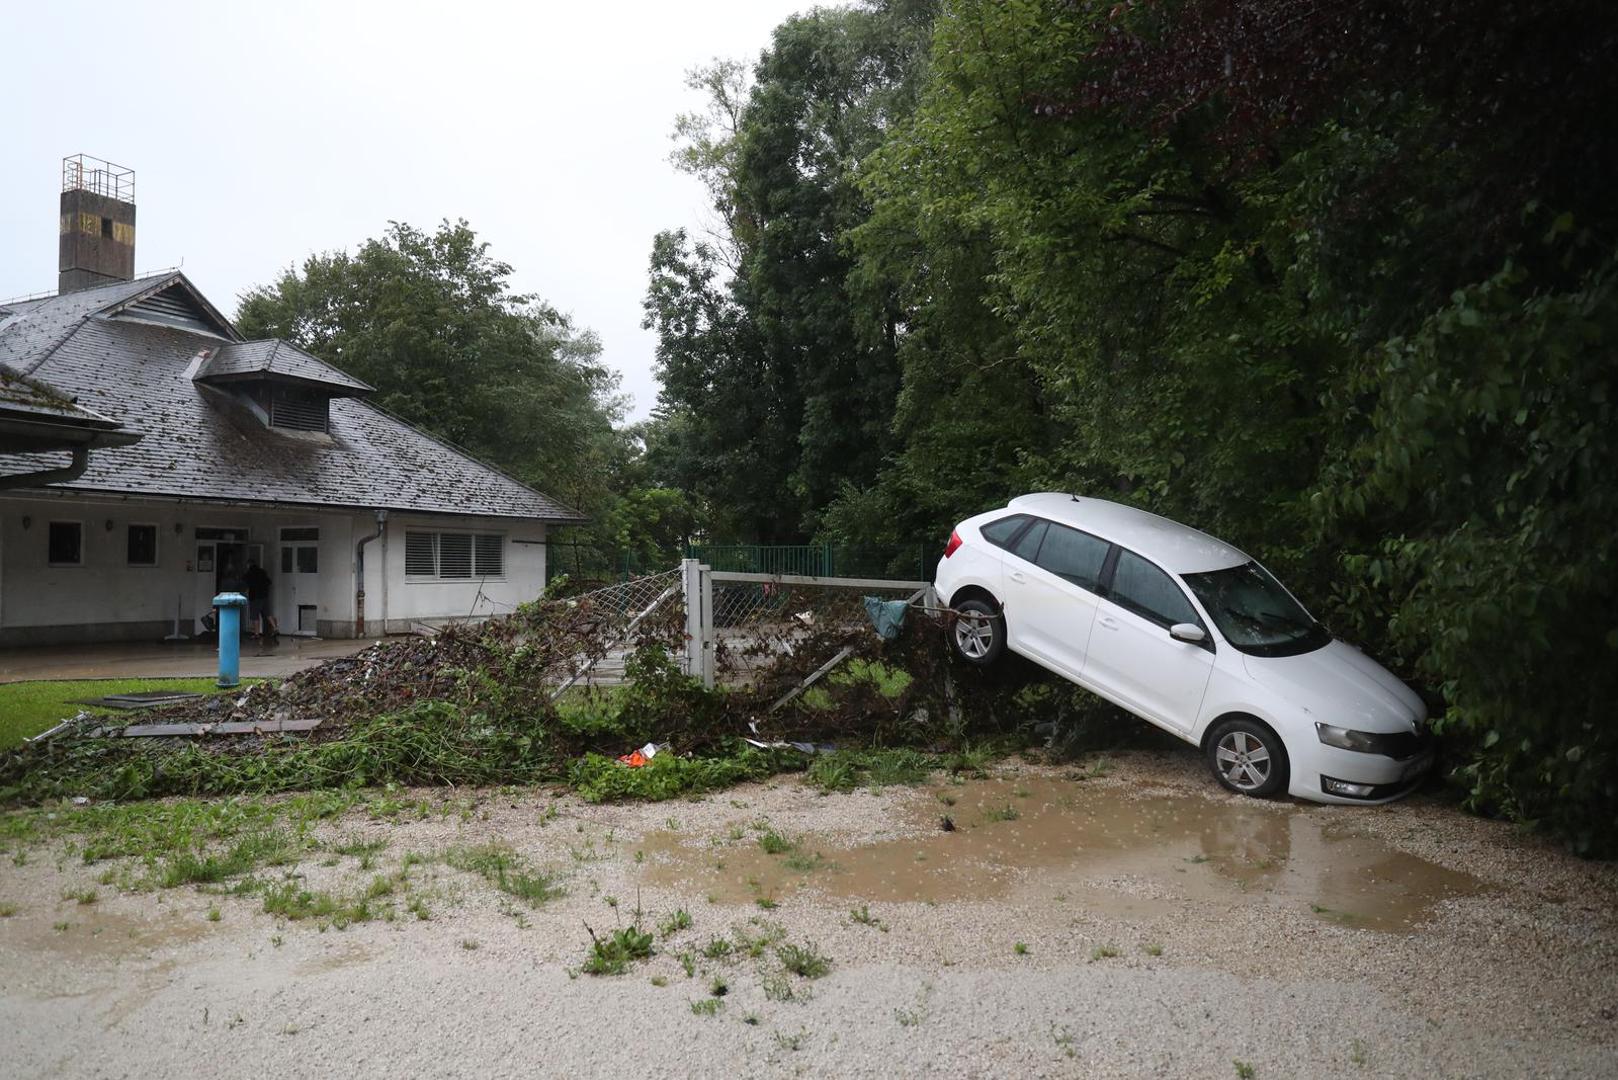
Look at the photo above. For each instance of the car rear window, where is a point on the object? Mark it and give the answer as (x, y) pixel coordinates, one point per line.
(1000, 532)
(1027, 545)
(1073, 555)
(1149, 592)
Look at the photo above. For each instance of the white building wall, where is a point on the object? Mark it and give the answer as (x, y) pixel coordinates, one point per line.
(404, 601)
(107, 599)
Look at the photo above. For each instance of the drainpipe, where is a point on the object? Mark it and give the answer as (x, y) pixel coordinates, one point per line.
(359, 575)
(382, 572)
(81, 461)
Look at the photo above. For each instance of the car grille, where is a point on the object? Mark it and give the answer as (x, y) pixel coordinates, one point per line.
(1402, 745)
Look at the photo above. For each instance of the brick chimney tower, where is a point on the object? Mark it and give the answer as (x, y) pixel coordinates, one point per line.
(98, 224)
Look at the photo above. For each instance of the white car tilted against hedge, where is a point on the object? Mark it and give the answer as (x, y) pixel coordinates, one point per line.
(1190, 634)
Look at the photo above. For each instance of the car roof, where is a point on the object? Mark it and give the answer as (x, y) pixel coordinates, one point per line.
(1177, 548)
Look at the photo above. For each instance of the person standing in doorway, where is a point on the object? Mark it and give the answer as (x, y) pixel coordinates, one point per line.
(258, 603)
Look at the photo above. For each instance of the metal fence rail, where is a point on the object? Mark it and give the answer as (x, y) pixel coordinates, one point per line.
(818, 560)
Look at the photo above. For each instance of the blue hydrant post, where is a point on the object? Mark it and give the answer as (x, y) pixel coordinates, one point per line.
(230, 605)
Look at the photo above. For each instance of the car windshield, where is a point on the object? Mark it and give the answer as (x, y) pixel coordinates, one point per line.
(1255, 613)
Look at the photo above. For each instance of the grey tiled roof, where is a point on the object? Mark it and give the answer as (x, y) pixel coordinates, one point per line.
(31, 329)
(203, 442)
(275, 357)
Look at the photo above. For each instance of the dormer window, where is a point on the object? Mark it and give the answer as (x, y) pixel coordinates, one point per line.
(287, 388)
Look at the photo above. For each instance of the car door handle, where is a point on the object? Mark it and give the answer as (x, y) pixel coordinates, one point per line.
(1109, 622)
(1018, 576)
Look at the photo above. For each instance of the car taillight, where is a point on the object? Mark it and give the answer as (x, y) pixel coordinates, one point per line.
(954, 542)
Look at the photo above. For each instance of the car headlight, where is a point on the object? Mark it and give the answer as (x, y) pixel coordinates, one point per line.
(1364, 742)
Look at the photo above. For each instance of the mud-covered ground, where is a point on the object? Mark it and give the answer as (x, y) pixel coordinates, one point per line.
(1121, 920)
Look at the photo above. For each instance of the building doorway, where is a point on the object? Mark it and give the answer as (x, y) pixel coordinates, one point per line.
(221, 558)
(296, 591)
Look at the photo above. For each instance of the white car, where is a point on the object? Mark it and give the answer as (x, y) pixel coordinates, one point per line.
(1190, 634)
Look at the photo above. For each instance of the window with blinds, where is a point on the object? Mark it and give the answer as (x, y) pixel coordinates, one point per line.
(454, 556)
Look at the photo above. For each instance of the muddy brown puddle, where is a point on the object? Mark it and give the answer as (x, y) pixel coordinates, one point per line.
(1102, 847)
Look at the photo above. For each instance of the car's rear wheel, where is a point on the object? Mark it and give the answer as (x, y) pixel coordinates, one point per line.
(979, 634)
(1248, 758)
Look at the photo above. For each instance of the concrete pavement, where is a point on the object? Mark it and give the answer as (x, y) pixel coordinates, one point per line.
(137, 660)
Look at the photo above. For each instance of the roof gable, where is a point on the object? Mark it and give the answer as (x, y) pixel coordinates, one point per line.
(174, 302)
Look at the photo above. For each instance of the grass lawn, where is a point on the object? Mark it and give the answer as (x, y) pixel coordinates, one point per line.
(27, 708)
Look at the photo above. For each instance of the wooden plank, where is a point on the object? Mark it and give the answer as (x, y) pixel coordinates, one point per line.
(267, 727)
(140, 731)
(234, 727)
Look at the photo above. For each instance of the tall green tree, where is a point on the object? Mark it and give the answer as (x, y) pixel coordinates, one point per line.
(770, 357)
(431, 321)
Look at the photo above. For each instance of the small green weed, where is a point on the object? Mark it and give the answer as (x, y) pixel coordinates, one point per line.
(718, 949)
(805, 960)
(214, 914)
(913, 1016)
(1001, 813)
(1102, 952)
(673, 924)
(806, 862)
(707, 1006)
(863, 916)
(357, 846)
(291, 902)
(1244, 1071)
(507, 871)
(1020, 948)
(774, 843)
(614, 954)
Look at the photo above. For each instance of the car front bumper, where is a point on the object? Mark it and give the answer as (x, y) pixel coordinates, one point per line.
(1385, 778)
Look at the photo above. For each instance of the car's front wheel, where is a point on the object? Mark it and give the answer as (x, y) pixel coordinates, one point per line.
(1248, 758)
(979, 635)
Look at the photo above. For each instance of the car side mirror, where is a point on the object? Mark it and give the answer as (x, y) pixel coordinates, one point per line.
(1190, 633)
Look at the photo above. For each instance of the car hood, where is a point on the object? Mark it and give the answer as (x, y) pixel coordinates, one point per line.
(1340, 685)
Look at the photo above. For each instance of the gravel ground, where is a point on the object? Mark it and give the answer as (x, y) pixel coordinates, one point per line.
(1165, 929)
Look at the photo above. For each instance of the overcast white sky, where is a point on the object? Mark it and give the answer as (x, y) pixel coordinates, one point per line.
(262, 132)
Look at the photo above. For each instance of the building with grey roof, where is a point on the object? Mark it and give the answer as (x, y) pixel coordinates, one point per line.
(183, 453)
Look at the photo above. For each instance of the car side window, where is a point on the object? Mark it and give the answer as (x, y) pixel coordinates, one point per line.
(999, 533)
(1149, 592)
(1071, 554)
(1027, 545)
